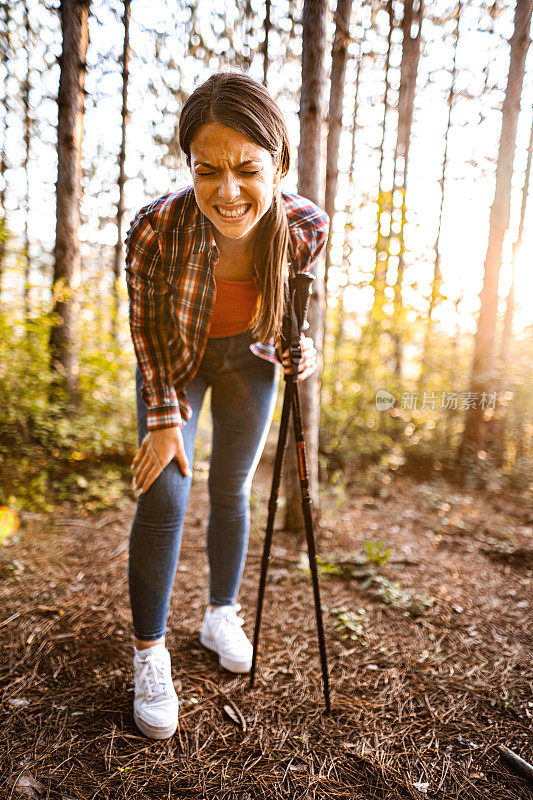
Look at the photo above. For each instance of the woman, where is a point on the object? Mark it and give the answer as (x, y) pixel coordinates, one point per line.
(205, 269)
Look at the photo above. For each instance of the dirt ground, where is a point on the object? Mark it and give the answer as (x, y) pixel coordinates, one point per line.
(430, 658)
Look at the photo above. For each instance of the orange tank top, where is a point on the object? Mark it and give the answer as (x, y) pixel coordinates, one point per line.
(234, 306)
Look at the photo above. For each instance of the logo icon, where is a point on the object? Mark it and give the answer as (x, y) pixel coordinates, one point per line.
(384, 400)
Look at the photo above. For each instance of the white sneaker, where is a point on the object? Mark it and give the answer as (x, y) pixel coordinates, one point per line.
(222, 632)
(155, 706)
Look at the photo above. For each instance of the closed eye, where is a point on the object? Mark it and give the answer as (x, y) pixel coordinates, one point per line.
(243, 172)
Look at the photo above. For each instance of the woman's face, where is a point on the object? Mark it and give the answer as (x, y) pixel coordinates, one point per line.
(234, 179)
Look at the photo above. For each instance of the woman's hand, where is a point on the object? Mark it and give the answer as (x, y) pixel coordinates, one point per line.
(307, 364)
(158, 448)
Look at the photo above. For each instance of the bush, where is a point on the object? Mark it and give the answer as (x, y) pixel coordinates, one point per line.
(43, 446)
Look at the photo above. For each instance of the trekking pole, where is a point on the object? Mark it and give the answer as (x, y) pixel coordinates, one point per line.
(294, 319)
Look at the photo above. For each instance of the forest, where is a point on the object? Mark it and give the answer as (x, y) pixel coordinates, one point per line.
(411, 127)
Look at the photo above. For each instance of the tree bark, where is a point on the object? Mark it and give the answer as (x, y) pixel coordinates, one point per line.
(379, 281)
(496, 430)
(5, 55)
(247, 27)
(27, 150)
(63, 359)
(482, 372)
(310, 185)
(117, 266)
(435, 296)
(373, 327)
(266, 28)
(339, 59)
(347, 248)
(406, 101)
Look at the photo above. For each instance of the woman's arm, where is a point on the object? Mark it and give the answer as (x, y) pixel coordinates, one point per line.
(148, 309)
(148, 295)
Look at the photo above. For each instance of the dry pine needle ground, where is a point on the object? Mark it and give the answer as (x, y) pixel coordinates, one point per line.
(420, 701)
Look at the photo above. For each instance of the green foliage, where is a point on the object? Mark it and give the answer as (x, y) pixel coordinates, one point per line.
(327, 567)
(351, 625)
(420, 435)
(364, 568)
(392, 594)
(50, 452)
(375, 554)
(355, 567)
(4, 232)
(420, 602)
(10, 571)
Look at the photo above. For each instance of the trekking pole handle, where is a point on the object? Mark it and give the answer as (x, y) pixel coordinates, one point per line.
(301, 289)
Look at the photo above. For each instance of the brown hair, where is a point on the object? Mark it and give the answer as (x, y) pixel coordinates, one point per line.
(242, 103)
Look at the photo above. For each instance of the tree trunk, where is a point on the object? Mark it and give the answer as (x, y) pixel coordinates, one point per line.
(339, 58)
(121, 173)
(309, 185)
(482, 373)
(496, 431)
(372, 329)
(455, 342)
(348, 223)
(406, 100)
(27, 147)
(5, 54)
(379, 281)
(266, 28)
(70, 101)
(247, 28)
(349, 212)
(436, 295)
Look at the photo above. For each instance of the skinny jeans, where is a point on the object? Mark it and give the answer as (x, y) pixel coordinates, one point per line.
(243, 397)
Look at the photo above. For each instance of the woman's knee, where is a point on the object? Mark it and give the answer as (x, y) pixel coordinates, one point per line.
(228, 495)
(167, 497)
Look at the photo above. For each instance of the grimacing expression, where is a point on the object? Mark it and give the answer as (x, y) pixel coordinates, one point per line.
(234, 179)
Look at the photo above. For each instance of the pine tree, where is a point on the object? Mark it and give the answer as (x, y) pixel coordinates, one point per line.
(5, 55)
(309, 185)
(117, 266)
(70, 101)
(412, 18)
(482, 377)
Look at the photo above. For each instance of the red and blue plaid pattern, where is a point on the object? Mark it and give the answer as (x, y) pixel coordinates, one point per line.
(170, 252)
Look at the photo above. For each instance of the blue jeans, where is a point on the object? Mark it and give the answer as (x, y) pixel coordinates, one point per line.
(243, 398)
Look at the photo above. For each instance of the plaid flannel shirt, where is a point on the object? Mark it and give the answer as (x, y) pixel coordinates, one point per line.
(170, 252)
